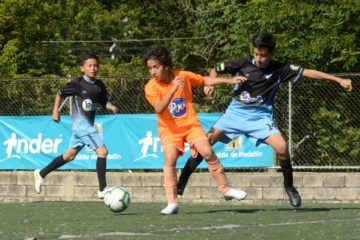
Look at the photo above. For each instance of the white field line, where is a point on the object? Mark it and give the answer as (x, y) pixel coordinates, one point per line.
(216, 227)
(234, 226)
(103, 235)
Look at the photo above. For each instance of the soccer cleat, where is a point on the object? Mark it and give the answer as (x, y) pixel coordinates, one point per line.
(171, 208)
(180, 188)
(234, 194)
(294, 196)
(38, 181)
(101, 194)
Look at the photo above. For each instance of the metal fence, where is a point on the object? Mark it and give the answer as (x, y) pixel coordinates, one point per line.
(320, 119)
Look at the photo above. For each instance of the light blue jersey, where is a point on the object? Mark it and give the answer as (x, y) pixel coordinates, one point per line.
(86, 96)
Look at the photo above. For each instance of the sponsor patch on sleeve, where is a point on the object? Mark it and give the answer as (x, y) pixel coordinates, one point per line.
(220, 68)
(294, 67)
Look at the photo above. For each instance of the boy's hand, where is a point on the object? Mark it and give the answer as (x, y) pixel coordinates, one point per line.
(238, 79)
(346, 84)
(209, 90)
(178, 81)
(56, 116)
(115, 110)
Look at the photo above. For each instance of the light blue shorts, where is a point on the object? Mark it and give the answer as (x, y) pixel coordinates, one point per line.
(92, 140)
(256, 126)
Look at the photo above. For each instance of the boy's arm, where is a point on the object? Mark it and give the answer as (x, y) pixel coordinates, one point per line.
(160, 106)
(56, 115)
(210, 81)
(111, 107)
(344, 83)
(209, 90)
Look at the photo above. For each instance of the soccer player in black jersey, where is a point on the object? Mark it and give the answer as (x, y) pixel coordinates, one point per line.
(250, 112)
(87, 93)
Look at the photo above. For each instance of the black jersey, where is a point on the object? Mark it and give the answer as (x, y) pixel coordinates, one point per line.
(86, 95)
(262, 84)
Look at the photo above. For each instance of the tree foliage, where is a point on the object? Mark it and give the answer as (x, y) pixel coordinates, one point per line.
(46, 37)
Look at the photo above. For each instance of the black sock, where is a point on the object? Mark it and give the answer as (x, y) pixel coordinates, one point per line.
(55, 164)
(189, 168)
(101, 172)
(287, 172)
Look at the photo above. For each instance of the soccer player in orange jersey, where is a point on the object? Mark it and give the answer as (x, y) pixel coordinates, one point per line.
(169, 92)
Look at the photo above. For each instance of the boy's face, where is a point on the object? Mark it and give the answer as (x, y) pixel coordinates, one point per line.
(262, 57)
(156, 70)
(90, 68)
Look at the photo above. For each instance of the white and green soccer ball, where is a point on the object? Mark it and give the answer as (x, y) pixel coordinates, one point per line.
(117, 199)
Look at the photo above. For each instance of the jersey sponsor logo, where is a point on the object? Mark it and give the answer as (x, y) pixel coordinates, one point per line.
(177, 107)
(220, 67)
(87, 105)
(245, 97)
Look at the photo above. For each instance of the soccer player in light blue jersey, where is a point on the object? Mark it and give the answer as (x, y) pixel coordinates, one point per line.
(87, 94)
(250, 111)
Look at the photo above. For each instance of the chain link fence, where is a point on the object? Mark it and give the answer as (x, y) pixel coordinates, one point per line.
(321, 121)
(319, 118)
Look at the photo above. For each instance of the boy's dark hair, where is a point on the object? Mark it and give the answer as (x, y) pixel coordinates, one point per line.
(159, 54)
(264, 40)
(86, 57)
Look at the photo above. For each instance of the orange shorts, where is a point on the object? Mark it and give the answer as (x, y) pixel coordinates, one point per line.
(189, 134)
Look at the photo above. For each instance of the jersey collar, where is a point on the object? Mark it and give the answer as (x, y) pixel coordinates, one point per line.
(253, 61)
(88, 80)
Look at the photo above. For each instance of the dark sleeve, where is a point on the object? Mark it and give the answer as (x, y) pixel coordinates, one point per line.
(104, 97)
(291, 73)
(71, 88)
(231, 67)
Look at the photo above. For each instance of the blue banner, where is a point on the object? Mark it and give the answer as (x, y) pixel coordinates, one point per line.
(131, 139)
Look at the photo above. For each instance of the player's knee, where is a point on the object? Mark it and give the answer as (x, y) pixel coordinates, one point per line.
(208, 154)
(102, 152)
(68, 158)
(282, 150)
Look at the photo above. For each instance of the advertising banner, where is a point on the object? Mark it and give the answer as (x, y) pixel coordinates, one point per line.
(131, 139)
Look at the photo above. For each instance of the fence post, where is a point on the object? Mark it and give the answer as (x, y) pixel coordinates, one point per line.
(290, 121)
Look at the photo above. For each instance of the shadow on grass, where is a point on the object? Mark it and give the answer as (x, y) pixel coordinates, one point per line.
(125, 214)
(290, 209)
(229, 210)
(321, 209)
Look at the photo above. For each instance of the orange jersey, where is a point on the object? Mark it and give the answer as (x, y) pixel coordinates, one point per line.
(180, 112)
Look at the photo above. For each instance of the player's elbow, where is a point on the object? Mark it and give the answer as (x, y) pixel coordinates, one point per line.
(158, 108)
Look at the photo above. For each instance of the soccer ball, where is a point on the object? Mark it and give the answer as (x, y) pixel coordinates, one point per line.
(117, 199)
